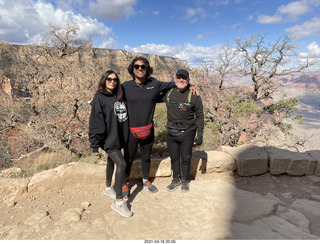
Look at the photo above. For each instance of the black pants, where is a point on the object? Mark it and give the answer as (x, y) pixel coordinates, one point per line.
(116, 157)
(145, 152)
(181, 146)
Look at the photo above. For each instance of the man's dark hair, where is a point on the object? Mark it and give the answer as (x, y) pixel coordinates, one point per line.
(145, 62)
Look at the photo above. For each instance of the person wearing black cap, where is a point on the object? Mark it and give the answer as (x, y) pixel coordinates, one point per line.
(184, 128)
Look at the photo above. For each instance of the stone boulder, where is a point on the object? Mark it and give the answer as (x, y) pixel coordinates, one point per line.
(293, 163)
(219, 162)
(316, 155)
(159, 167)
(250, 160)
(67, 175)
(10, 188)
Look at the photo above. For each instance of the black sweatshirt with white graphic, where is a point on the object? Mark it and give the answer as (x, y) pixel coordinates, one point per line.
(142, 98)
(108, 123)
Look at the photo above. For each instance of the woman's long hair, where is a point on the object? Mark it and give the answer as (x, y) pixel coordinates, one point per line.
(145, 62)
(102, 85)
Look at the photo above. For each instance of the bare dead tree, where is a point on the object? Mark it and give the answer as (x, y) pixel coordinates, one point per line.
(265, 63)
(59, 76)
(245, 111)
(65, 41)
(227, 63)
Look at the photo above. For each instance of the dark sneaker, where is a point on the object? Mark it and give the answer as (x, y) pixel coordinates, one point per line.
(110, 192)
(125, 192)
(185, 186)
(121, 209)
(174, 185)
(150, 187)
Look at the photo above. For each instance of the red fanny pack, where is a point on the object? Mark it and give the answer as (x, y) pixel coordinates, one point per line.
(141, 132)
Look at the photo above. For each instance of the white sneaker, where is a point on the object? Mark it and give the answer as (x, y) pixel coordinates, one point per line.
(110, 192)
(121, 209)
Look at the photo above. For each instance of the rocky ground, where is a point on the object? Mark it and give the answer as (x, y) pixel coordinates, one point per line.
(218, 206)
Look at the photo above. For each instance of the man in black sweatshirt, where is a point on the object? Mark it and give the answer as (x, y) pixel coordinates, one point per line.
(141, 94)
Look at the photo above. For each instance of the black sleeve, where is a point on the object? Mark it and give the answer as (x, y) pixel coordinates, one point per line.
(199, 115)
(161, 97)
(164, 87)
(96, 125)
(124, 94)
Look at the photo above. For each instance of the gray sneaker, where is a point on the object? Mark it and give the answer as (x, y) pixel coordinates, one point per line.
(174, 185)
(110, 192)
(185, 186)
(121, 209)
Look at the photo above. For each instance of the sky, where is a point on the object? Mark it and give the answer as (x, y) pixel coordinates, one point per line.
(191, 30)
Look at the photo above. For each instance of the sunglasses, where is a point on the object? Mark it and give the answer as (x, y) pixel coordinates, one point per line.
(181, 77)
(112, 79)
(137, 66)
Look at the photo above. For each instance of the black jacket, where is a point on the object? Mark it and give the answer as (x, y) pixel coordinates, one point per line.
(141, 100)
(108, 123)
(183, 115)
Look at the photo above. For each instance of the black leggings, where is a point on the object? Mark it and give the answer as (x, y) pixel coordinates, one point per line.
(181, 146)
(115, 157)
(145, 152)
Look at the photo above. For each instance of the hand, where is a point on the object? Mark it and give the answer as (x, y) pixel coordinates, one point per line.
(194, 90)
(97, 154)
(198, 141)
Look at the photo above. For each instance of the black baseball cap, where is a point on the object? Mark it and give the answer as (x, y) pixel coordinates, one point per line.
(183, 72)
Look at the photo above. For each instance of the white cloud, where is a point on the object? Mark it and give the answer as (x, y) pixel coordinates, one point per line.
(313, 50)
(112, 9)
(250, 17)
(109, 43)
(294, 9)
(24, 22)
(66, 5)
(19, 21)
(193, 13)
(219, 2)
(189, 52)
(231, 27)
(289, 12)
(312, 54)
(267, 19)
(308, 28)
(216, 15)
(155, 12)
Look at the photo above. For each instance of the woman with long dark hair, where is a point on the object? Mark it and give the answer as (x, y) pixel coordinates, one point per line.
(109, 130)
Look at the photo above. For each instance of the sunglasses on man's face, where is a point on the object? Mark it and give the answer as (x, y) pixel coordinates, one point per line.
(137, 66)
(115, 80)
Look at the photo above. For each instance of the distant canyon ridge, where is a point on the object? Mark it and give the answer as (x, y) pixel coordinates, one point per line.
(117, 60)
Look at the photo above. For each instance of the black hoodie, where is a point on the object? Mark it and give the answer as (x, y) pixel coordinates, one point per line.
(108, 123)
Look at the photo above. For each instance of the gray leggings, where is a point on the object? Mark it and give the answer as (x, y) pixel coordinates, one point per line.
(115, 157)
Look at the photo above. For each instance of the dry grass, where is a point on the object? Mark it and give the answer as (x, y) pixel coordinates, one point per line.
(43, 161)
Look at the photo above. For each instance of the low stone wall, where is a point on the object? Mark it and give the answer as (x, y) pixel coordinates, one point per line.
(253, 160)
(247, 160)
